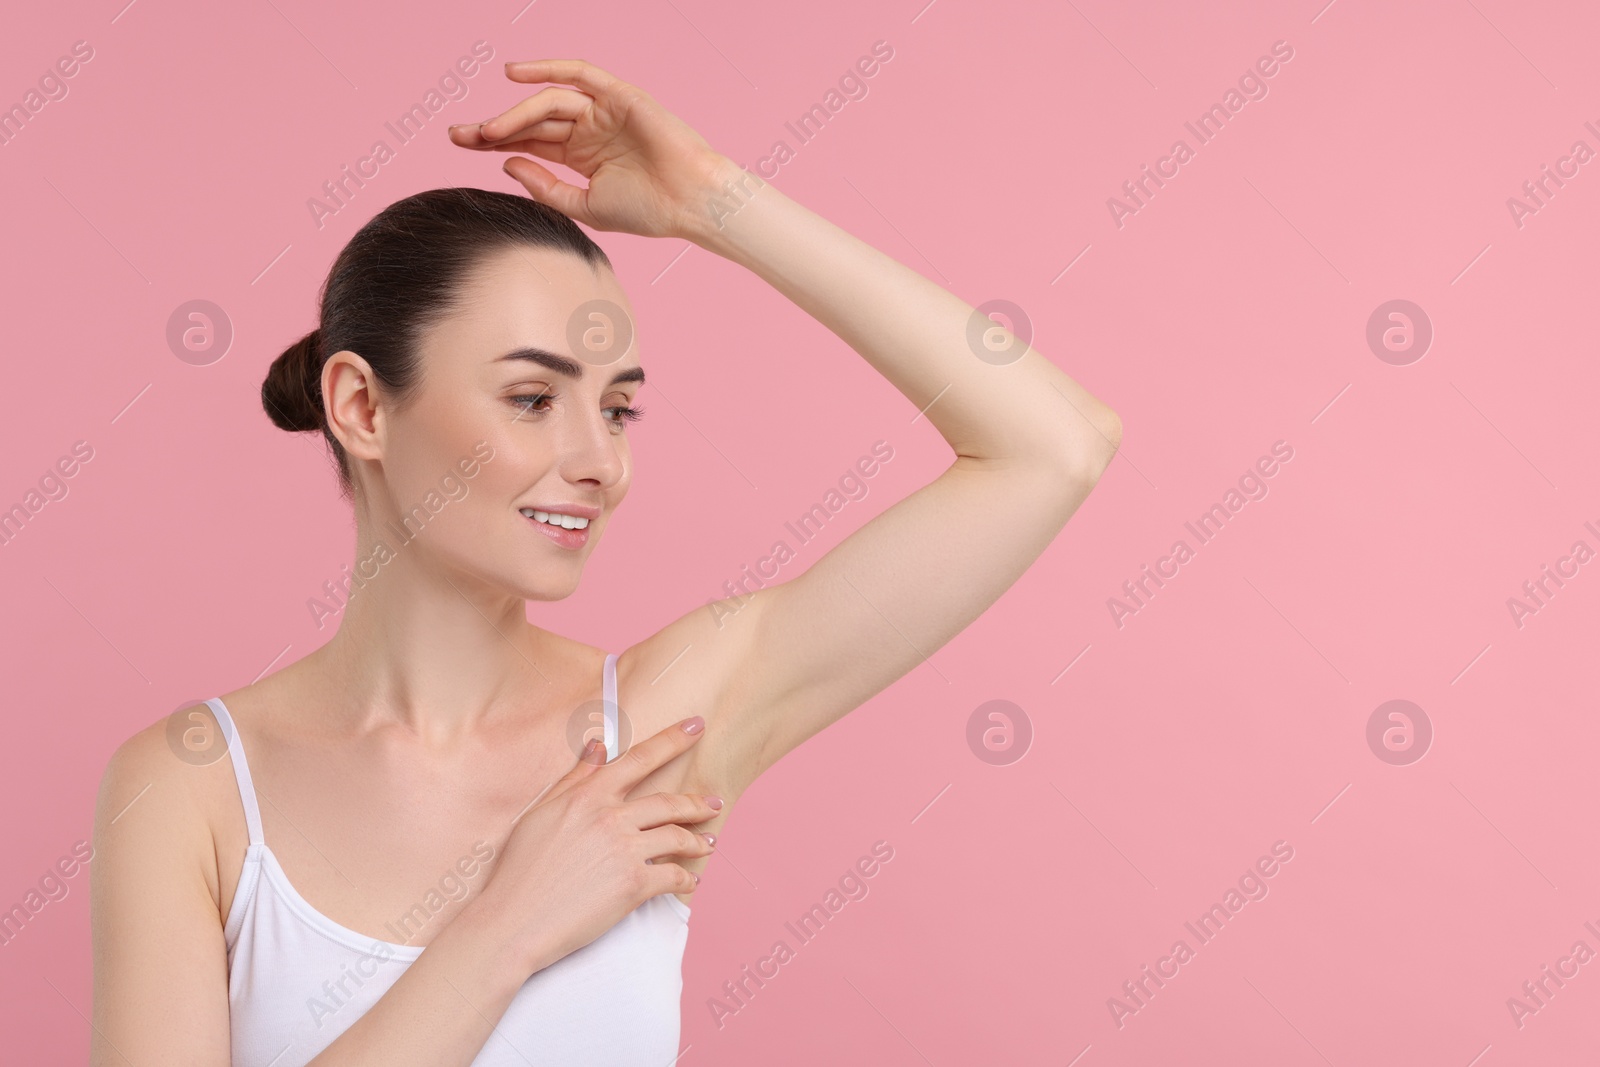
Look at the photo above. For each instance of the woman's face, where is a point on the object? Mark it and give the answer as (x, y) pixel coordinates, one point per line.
(519, 412)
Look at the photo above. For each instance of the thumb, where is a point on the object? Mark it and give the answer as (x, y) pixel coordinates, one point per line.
(548, 189)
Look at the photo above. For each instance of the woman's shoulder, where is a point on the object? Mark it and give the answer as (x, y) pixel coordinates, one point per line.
(181, 763)
(175, 755)
(161, 794)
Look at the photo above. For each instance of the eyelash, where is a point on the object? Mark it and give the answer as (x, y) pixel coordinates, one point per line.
(625, 414)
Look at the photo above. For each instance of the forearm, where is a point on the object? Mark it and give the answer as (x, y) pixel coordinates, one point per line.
(442, 1010)
(916, 334)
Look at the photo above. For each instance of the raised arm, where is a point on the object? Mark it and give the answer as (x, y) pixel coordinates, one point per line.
(1029, 443)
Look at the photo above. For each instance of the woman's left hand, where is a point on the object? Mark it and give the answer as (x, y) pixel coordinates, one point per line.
(649, 172)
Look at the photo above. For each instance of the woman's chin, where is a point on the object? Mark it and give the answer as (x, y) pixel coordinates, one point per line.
(546, 587)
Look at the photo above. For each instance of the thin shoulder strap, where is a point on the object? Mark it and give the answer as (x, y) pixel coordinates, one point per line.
(609, 704)
(241, 769)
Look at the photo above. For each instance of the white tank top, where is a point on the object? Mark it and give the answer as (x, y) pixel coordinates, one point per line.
(297, 979)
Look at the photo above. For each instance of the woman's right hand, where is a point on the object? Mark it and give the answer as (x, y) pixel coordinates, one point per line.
(649, 172)
(583, 857)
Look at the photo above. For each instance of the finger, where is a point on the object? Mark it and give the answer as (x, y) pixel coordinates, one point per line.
(555, 102)
(669, 841)
(591, 759)
(586, 76)
(555, 153)
(668, 877)
(658, 809)
(549, 131)
(641, 759)
(548, 189)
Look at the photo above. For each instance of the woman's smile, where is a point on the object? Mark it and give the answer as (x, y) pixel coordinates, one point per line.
(568, 527)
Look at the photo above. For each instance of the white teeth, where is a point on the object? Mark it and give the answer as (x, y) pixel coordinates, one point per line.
(567, 522)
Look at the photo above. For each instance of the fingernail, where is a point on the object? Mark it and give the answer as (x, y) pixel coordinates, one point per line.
(714, 803)
(711, 839)
(588, 750)
(694, 725)
(696, 878)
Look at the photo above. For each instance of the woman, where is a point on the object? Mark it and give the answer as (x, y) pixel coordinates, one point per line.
(269, 896)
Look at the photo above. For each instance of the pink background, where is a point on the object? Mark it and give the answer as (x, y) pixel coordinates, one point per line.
(1229, 313)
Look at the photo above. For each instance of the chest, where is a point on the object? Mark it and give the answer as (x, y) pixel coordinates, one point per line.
(391, 845)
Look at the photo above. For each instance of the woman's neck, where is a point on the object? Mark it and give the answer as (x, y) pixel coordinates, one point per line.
(435, 653)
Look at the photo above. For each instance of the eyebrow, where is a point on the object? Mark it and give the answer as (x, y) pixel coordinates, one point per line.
(567, 365)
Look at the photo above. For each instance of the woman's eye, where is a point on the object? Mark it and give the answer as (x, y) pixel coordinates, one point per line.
(536, 403)
(526, 404)
(621, 416)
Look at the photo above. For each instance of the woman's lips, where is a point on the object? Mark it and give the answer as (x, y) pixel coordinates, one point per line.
(561, 535)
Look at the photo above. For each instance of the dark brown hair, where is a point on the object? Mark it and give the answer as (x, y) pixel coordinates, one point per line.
(401, 273)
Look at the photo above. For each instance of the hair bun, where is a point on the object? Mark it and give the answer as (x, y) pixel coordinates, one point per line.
(292, 391)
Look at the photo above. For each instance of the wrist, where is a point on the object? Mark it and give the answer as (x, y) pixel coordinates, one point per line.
(508, 942)
(726, 188)
(485, 932)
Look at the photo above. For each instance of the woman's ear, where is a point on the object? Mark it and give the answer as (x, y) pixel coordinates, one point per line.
(351, 403)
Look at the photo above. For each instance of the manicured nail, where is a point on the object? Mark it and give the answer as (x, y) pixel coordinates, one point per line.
(711, 839)
(714, 803)
(694, 725)
(696, 878)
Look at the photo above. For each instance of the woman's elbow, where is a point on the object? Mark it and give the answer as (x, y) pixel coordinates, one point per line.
(1089, 452)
